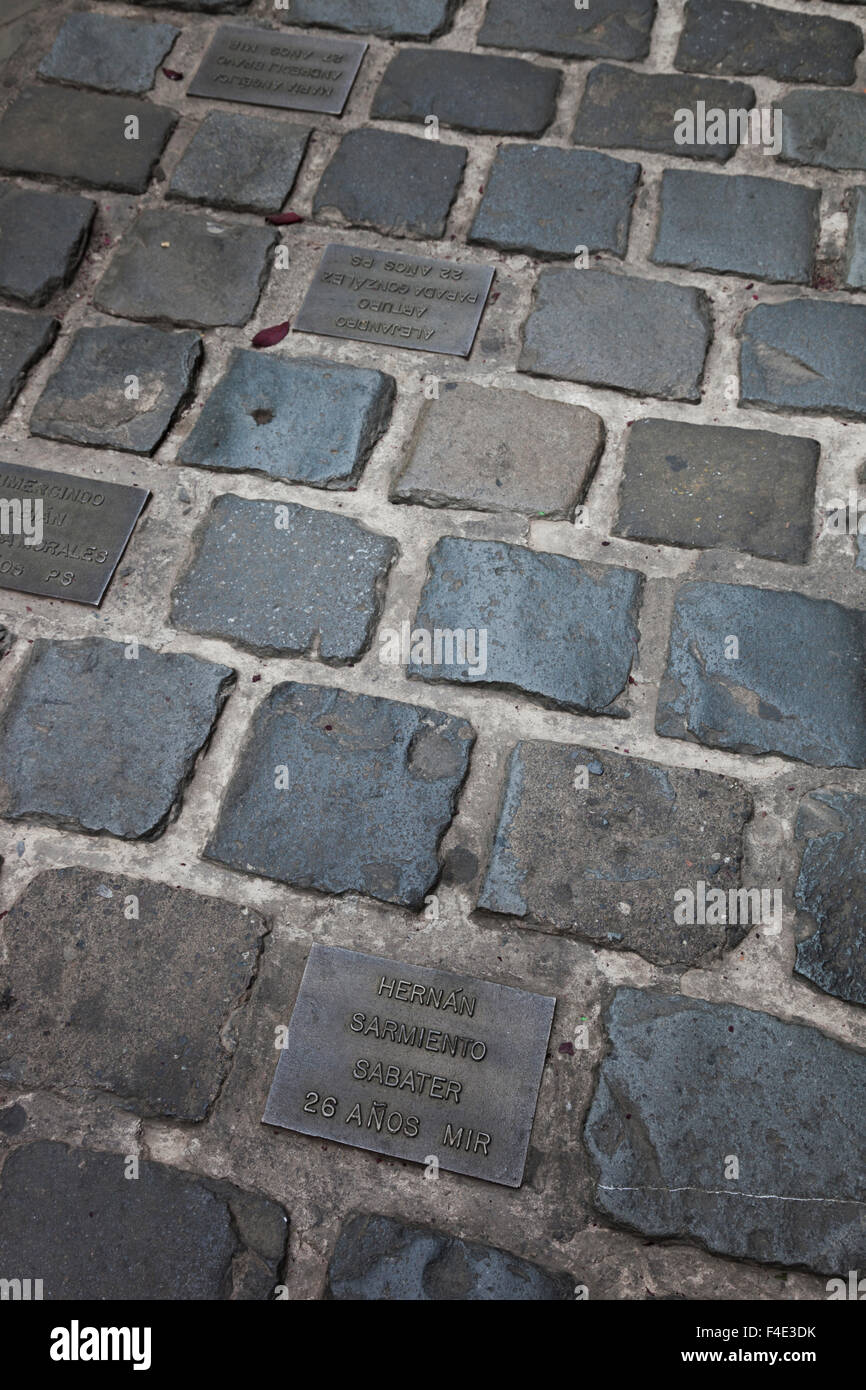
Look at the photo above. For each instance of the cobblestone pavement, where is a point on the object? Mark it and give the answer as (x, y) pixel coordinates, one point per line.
(632, 487)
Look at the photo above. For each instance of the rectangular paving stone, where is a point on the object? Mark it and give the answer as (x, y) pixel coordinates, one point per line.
(401, 185)
(729, 36)
(602, 29)
(649, 337)
(80, 137)
(709, 486)
(24, 338)
(830, 893)
(827, 129)
(357, 1024)
(629, 835)
(304, 419)
(42, 240)
(130, 1005)
(242, 162)
(638, 110)
(547, 201)
(114, 55)
(739, 224)
(855, 270)
(805, 355)
(685, 1083)
(85, 400)
(369, 788)
(265, 68)
(736, 677)
(94, 741)
(470, 91)
(562, 630)
(281, 579)
(392, 19)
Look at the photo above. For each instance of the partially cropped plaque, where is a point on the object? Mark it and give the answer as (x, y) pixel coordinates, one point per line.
(295, 71)
(415, 1063)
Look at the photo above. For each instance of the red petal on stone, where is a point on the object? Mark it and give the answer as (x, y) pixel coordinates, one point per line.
(268, 336)
(283, 219)
(567, 1049)
(172, 75)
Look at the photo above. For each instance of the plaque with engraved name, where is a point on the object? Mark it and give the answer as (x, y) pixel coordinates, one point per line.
(295, 71)
(395, 300)
(62, 536)
(413, 1062)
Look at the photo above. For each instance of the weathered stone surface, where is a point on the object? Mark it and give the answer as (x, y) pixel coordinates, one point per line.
(72, 1214)
(546, 201)
(604, 29)
(114, 55)
(79, 136)
(805, 355)
(732, 37)
(132, 1005)
(7, 638)
(24, 338)
(239, 161)
(471, 91)
(399, 184)
(767, 699)
(596, 845)
(85, 399)
(370, 788)
(686, 1083)
(831, 891)
(824, 128)
(378, 1258)
(855, 273)
(637, 110)
(645, 336)
(205, 6)
(559, 629)
(93, 741)
(42, 240)
(182, 267)
(739, 224)
(705, 485)
(393, 19)
(281, 579)
(493, 450)
(304, 419)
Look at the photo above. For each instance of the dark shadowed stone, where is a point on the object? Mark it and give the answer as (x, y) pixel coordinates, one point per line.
(400, 184)
(95, 1234)
(637, 110)
(93, 741)
(601, 29)
(7, 638)
(824, 128)
(371, 788)
(42, 240)
(728, 36)
(628, 835)
(645, 336)
(560, 629)
(132, 1005)
(79, 136)
(687, 1083)
(805, 355)
(13, 1118)
(706, 485)
(471, 91)
(239, 161)
(183, 267)
(281, 579)
(393, 19)
(855, 274)
(378, 1258)
(115, 55)
(304, 419)
(547, 201)
(85, 399)
(24, 338)
(768, 699)
(831, 893)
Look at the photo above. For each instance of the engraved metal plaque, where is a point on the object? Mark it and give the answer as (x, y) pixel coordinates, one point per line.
(396, 300)
(413, 1062)
(62, 536)
(295, 71)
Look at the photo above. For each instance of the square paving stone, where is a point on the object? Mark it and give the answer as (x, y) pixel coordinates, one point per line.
(827, 129)
(638, 110)
(393, 19)
(42, 240)
(831, 892)
(85, 400)
(184, 268)
(471, 91)
(124, 985)
(304, 419)
(805, 355)
(379, 1258)
(94, 741)
(649, 337)
(344, 793)
(478, 447)
(243, 162)
(115, 55)
(736, 223)
(171, 1235)
(602, 29)
(547, 201)
(279, 579)
(709, 486)
(736, 676)
(732, 37)
(685, 1083)
(399, 184)
(81, 136)
(559, 629)
(855, 273)
(24, 338)
(596, 845)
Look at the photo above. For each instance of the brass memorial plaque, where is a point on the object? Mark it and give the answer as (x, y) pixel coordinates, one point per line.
(294, 71)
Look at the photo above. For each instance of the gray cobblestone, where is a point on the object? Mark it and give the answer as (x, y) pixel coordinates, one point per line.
(236, 161)
(637, 110)
(806, 355)
(114, 55)
(397, 183)
(470, 91)
(729, 36)
(43, 240)
(24, 338)
(605, 29)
